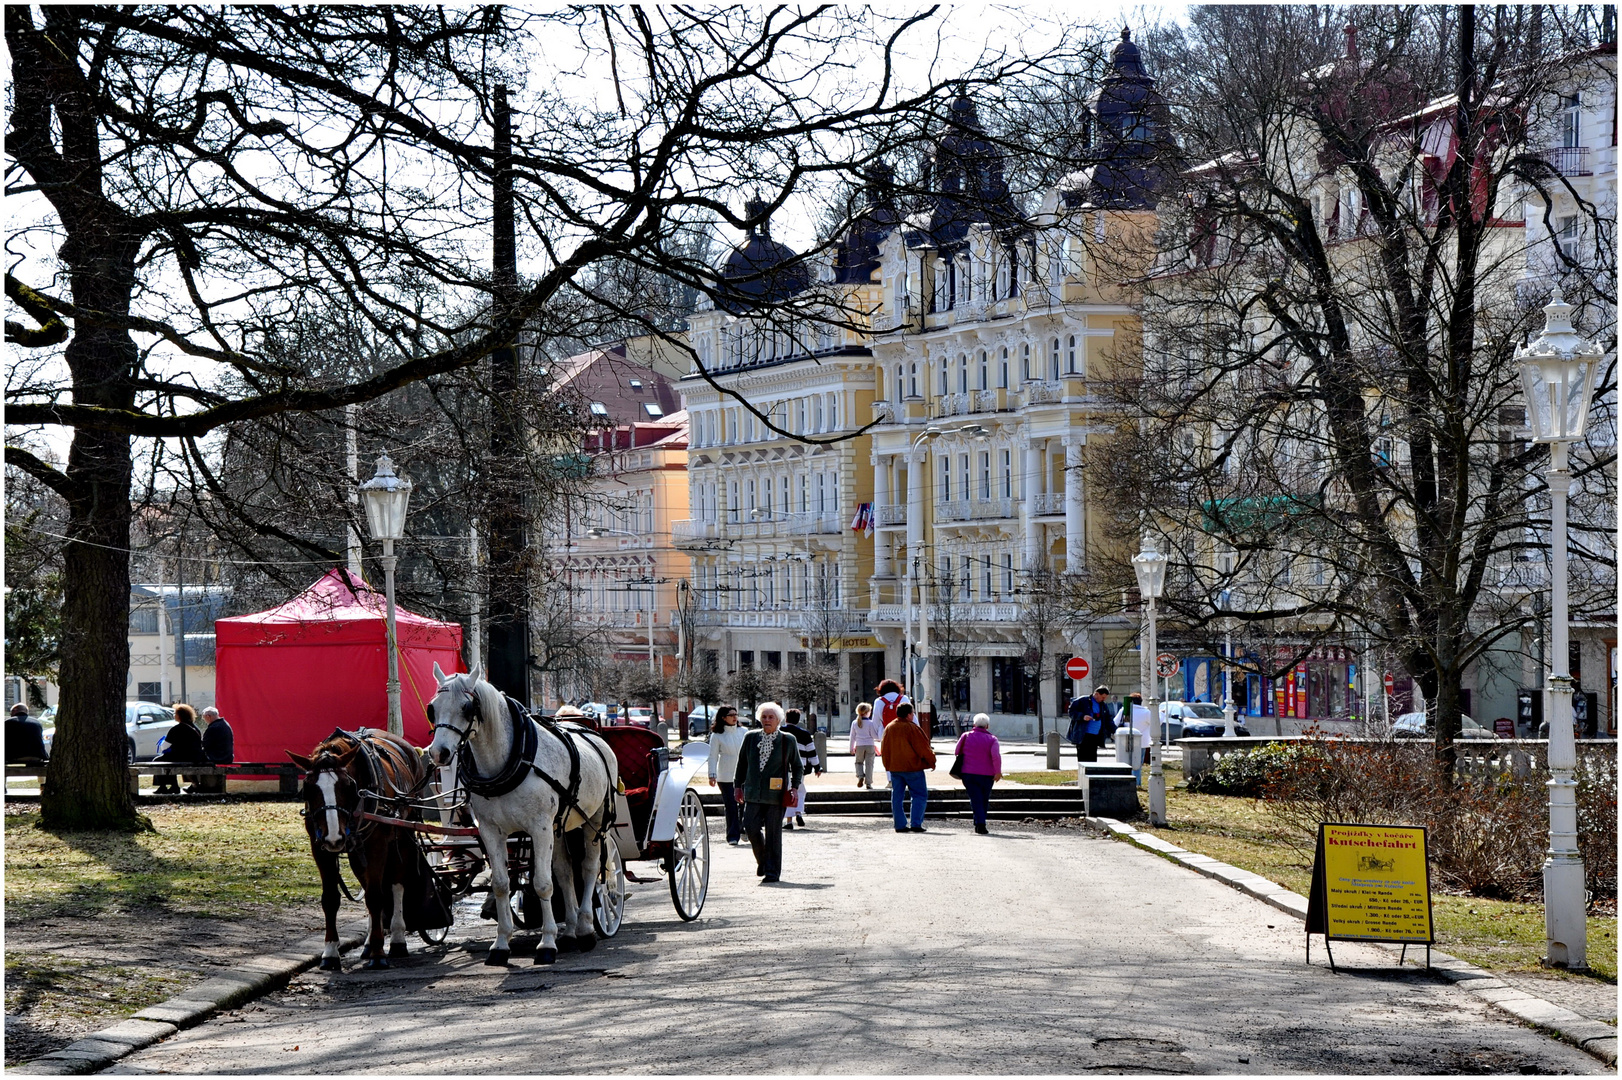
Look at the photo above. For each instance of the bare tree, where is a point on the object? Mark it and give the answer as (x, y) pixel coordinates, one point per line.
(189, 176)
(1330, 442)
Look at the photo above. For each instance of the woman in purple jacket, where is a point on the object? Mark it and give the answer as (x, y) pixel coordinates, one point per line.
(982, 766)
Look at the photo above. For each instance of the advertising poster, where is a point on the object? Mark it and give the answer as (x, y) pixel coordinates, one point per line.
(1371, 883)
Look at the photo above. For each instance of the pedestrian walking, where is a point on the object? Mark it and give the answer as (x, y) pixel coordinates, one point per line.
(183, 745)
(889, 700)
(907, 753)
(726, 740)
(865, 733)
(1141, 725)
(810, 762)
(1088, 717)
(25, 738)
(982, 766)
(768, 768)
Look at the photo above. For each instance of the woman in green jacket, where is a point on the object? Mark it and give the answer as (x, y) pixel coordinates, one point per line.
(768, 766)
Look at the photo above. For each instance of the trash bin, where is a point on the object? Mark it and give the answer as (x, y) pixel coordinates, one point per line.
(1127, 750)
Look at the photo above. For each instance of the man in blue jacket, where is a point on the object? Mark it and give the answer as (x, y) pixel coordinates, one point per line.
(1088, 719)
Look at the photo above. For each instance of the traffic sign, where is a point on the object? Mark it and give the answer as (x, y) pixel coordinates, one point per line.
(1076, 667)
(1390, 682)
(1167, 665)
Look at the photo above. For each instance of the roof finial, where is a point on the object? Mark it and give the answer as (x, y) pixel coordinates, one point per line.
(1126, 34)
(755, 207)
(1351, 41)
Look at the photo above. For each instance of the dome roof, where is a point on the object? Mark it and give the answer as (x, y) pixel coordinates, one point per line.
(967, 178)
(1127, 135)
(857, 255)
(760, 270)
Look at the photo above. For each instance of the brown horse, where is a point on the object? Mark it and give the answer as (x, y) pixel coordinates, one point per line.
(346, 774)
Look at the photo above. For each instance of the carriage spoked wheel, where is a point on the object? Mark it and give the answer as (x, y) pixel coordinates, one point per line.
(608, 906)
(689, 862)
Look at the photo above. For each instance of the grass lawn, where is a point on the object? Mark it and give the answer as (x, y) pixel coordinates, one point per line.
(1045, 778)
(1496, 934)
(212, 859)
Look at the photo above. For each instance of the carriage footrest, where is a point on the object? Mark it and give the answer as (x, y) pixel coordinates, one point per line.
(629, 876)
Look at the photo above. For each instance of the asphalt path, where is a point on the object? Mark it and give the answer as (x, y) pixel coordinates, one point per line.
(1032, 950)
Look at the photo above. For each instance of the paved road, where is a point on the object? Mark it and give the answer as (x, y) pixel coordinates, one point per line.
(1028, 951)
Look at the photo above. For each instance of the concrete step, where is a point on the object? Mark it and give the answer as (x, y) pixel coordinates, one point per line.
(1007, 804)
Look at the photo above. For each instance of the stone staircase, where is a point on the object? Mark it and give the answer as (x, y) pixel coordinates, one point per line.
(1007, 803)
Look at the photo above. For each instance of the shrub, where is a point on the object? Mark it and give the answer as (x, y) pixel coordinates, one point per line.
(1250, 773)
(1487, 835)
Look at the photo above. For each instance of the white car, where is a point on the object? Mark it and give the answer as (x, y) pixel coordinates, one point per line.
(1414, 726)
(641, 715)
(145, 725)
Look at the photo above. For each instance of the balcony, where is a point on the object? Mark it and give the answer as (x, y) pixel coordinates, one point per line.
(884, 412)
(689, 530)
(1568, 160)
(983, 401)
(990, 611)
(1049, 504)
(952, 405)
(886, 514)
(1044, 393)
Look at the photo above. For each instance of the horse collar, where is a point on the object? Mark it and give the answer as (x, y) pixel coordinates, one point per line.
(520, 758)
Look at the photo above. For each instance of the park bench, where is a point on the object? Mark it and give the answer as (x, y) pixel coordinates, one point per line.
(210, 777)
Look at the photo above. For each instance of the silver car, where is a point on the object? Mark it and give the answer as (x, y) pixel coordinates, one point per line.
(146, 724)
(1415, 725)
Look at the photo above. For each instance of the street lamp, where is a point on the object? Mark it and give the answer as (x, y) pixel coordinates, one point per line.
(386, 496)
(1558, 371)
(1150, 566)
(1229, 709)
(915, 528)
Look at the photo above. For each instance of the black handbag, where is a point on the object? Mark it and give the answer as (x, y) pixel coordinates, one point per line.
(957, 767)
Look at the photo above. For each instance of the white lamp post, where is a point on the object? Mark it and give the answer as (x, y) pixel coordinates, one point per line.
(387, 496)
(1558, 370)
(1150, 565)
(911, 680)
(1229, 709)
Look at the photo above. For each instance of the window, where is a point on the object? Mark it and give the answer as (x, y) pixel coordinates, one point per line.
(984, 372)
(1007, 474)
(1002, 370)
(636, 384)
(898, 386)
(766, 499)
(599, 409)
(1571, 120)
(1008, 573)
(946, 478)
(1070, 361)
(653, 411)
(1568, 227)
(912, 380)
(963, 475)
(948, 582)
(963, 374)
(833, 402)
(1025, 362)
(1053, 360)
(816, 420)
(985, 474)
(945, 377)
(144, 620)
(985, 581)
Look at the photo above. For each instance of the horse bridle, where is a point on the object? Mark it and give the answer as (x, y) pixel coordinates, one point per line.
(345, 816)
(470, 713)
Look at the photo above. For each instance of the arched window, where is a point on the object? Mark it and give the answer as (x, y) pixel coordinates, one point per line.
(1070, 361)
(963, 373)
(912, 380)
(816, 421)
(983, 383)
(766, 499)
(1053, 360)
(898, 388)
(945, 377)
(1002, 370)
(1025, 362)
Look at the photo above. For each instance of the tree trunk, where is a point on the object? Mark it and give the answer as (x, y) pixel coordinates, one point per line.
(87, 781)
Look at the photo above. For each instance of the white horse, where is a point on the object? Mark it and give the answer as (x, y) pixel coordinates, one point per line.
(472, 721)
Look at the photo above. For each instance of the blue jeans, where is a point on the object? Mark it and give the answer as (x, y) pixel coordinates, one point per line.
(978, 786)
(902, 782)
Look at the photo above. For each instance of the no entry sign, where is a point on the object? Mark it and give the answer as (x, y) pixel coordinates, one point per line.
(1390, 682)
(1077, 667)
(1167, 665)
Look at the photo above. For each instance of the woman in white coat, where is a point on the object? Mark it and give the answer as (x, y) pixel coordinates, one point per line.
(726, 739)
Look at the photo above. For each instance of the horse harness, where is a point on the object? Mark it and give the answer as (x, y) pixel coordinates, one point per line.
(521, 763)
(360, 821)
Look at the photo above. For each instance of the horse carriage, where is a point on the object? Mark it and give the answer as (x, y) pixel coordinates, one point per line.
(542, 813)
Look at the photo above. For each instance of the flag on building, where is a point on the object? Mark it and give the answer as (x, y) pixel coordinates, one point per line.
(863, 521)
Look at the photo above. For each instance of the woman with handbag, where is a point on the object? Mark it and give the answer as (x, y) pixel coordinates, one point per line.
(978, 765)
(726, 740)
(768, 778)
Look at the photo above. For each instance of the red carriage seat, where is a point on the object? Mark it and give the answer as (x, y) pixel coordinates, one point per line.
(633, 748)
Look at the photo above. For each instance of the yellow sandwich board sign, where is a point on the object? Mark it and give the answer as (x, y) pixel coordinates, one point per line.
(1370, 883)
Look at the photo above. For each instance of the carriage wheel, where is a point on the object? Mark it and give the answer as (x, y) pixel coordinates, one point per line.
(690, 858)
(608, 906)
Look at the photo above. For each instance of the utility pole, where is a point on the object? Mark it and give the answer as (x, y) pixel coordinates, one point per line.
(508, 654)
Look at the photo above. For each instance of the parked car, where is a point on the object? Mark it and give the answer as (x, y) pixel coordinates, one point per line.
(146, 724)
(700, 719)
(1193, 720)
(595, 709)
(1415, 725)
(640, 715)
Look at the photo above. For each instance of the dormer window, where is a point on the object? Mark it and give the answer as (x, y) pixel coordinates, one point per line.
(653, 410)
(636, 384)
(599, 409)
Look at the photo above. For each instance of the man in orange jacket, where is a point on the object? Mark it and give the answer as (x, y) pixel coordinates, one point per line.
(907, 753)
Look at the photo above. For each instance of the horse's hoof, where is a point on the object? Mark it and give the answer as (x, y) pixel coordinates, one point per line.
(567, 944)
(546, 956)
(498, 958)
(587, 941)
(377, 963)
(370, 951)
(331, 963)
(398, 951)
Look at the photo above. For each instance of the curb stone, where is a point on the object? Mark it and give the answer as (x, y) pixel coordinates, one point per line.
(1590, 1036)
(157, 1022)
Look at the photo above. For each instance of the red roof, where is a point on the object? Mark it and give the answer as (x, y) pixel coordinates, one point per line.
(337, 608)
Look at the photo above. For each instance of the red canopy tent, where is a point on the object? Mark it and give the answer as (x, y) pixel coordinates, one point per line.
(286, 677)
